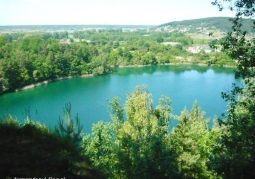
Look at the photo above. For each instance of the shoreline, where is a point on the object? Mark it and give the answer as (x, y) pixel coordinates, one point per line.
(168, 64)
(46, 82)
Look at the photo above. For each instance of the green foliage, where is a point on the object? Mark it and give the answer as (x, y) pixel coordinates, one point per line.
(39, 56)
(138, 144)
(160, 39)
(191, 141)
(10, 121)
(134, 146)
(4, 39)
(31, 149)
(32, 60)
(234, 158)
(242, 7)
(69, 128)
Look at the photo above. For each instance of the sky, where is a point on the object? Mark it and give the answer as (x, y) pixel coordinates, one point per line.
(105, 12)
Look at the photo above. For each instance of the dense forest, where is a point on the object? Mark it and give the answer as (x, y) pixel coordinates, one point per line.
(137, 142)
(28, 58)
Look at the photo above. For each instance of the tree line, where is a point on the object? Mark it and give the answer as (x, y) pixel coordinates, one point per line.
(27, 58)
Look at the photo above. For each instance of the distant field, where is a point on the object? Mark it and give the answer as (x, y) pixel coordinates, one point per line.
(216, 35)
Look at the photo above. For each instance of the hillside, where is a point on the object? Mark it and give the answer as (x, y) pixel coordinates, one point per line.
(31, 149)
(211, 23)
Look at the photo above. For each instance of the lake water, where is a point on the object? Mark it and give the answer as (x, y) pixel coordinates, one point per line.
(183, 84)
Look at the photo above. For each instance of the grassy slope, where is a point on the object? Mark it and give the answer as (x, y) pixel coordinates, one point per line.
(31, 150)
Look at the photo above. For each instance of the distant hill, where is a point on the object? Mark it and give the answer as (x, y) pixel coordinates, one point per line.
(221, 23)
(22, 28)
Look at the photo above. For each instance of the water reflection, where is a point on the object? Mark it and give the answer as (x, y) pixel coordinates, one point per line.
(177, 69)
(182, 83)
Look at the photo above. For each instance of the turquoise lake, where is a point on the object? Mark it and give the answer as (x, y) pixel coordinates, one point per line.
(89, 96)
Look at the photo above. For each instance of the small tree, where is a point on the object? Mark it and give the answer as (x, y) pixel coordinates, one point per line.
(69, 128)
(190, 140)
